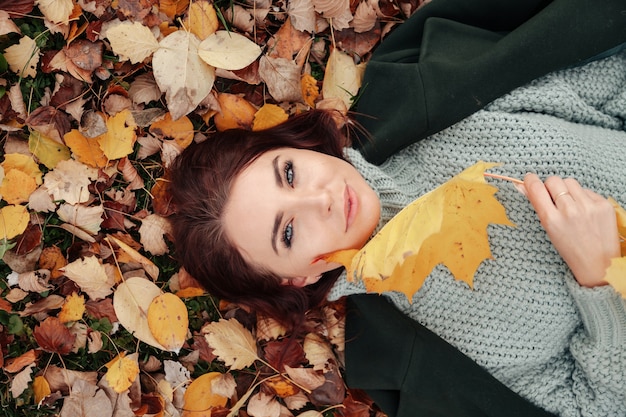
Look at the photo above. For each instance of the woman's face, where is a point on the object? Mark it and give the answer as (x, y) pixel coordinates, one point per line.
(291, 206)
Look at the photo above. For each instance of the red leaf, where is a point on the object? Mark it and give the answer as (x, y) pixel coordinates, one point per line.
(284, 352)
(54, 337)
(17, 8)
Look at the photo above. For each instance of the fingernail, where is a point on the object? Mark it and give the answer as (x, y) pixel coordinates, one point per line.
(521, 188)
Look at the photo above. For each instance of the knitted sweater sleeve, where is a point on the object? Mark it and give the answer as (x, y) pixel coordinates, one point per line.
(598, 346)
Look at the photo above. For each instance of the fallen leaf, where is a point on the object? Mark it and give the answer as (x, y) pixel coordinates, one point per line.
(89, 274)
(199, 397)
(52, 336)
(307, 378)
(52, 259)
(317, 351)
(131, 301)
(342, 79)
(130, 174)
(147, 264)
(168, 321)
(228, 50)
(56, 11)
(302, 15)
(269, 115)
(132, 41)
(153, 228)
(69, 181)
(13, 221)
(282, 77)
(86, 150)
(86, 218)
(73, 308)
(20, 381)
(35, 281)
(236, 112)
(201, 19)
(231, 343)
(41, 389)
(263, 405)
(365, 16)
(23, 57)
(616, 275)
(180, 72)
(86, 399)
(281, 386)
(310, 91)
(21, 178)
(49, 152)
(180, 130)
(447, 225)
(122, 371)
(13, 365)
(6, 24)
(120, 137)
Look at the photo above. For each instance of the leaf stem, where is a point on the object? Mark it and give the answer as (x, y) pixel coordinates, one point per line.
(503, 177)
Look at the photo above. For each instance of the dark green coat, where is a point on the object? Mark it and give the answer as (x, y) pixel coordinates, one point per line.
(453, 57)
(450, 59)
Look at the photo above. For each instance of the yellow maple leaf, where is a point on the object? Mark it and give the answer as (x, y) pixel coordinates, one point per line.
(72, 309)
(120, 137)
(168, 321)
(86, 150)
(616, 275)
(620, 215)
(122, 372)
(199, 397)
(21, 178)
(447, 225)
(13, 221)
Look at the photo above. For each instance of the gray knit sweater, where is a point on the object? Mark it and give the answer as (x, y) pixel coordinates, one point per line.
(526, 321)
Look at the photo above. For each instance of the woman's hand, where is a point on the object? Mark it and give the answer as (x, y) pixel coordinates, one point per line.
(580, 223)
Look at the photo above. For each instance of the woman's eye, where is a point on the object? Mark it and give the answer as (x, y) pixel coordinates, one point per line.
(288, 235)
(289, 174)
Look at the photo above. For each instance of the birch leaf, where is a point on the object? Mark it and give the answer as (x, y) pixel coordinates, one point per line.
(342, 78)
(231, 343)
(181, 74)
(228, 50)
(202, 20)
(86, 218)
(21, 380)
(48, 151)
(447, 225)
(131, 301)
(168, 321)
(89, 274)
(86, 150)
(56, 11)
(13, 221)
(152, 230)
(122, 371)
(132, 41)
(23, 57)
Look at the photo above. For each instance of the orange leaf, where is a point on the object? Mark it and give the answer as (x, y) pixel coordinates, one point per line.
(181, 129)
(73, 308)
(616, 275)
(448, 225)
(310, 91)
(41, 388)
(52, 259)
(86, 150)
(268, 116)
(236, 112)
(14, 365)
(122, 372)
(200, 398)
(54, 337)
(168, 321)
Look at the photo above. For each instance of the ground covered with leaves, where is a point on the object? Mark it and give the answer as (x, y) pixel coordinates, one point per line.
(96, 99)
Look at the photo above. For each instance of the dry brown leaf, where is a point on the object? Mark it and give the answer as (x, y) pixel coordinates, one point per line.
(52, 336)
(20, 381)
(146, 263)
(318, 352)
(56, 11)
(231, 342)
(338, 11)
(144, 89)
(130, 174)
(69, 181)
(51, 302)
(269, 329)
(302, 15)
(282, 77)
(35, 281)
(263, 405)
(365, 16)
(23, 57)
(86, 218)
(6, 24)
(13, 365)
(307, 378)
(181, 74)
(89, 274)
(86, 400)
(153, 229)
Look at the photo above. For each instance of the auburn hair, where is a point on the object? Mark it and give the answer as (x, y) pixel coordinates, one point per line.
(201, 179)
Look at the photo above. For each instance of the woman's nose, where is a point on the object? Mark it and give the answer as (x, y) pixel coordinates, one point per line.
(318, 200)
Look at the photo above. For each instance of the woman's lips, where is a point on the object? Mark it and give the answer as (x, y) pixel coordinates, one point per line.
(350, 206)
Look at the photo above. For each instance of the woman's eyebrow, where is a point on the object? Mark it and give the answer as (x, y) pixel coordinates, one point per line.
(279, 178)
(279, 217)
(277, 221)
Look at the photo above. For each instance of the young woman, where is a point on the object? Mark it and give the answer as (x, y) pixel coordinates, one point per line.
(257, 210)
